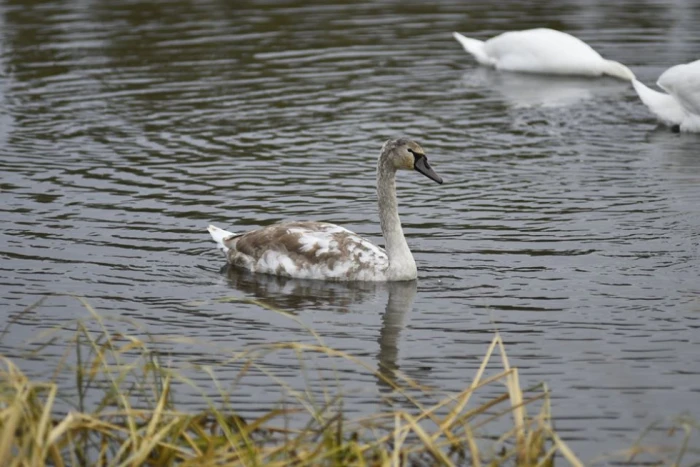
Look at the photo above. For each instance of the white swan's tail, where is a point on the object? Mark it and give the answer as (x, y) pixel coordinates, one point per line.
(618, 70)
(219, 235)
(474, 47)
(664, 106)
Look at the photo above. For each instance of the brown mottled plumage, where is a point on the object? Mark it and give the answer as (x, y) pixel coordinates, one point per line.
(295, 249)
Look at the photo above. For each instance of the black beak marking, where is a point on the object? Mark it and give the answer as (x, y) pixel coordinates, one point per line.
(420, 163)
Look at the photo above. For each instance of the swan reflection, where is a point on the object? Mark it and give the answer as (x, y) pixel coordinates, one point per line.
(299, 294)
(296, 294)
(400, 301)
(532, 90)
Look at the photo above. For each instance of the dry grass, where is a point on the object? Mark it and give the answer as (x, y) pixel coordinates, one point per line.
(135, 420)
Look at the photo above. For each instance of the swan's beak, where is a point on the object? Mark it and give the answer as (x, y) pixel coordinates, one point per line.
(421, 165)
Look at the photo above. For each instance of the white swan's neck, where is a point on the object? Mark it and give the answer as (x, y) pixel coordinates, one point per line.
(402, 266)
(617, 70)
(664, 106)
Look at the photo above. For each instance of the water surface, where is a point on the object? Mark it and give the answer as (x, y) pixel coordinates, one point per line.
(568, 220)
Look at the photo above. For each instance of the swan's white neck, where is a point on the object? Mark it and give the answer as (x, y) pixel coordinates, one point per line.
(664, 106)
(617, 70)
(402, 266)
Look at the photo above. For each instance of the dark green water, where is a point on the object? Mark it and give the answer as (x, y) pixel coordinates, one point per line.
(567, 220)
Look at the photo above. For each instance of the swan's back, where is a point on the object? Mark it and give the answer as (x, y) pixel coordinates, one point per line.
(544, 50)
(308, 250)
(683, 83)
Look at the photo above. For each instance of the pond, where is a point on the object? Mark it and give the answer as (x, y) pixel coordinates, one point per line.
(568, 219)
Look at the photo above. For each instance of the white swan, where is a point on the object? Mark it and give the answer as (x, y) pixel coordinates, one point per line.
(542, 50)
(680, 108)
(318, 250)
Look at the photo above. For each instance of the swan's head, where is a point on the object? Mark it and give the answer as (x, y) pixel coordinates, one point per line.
(406, 154)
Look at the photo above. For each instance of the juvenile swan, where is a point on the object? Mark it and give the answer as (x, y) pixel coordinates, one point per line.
(542, 50)
(318, 250)
(680, 108)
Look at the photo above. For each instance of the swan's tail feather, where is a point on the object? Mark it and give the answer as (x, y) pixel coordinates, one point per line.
(664, 106)
(474, 47)
(618, 70)
(219, 235)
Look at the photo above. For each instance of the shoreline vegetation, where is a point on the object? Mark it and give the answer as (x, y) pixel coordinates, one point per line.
(122, 410)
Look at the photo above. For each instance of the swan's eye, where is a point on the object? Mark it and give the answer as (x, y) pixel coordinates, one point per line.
(416, 155)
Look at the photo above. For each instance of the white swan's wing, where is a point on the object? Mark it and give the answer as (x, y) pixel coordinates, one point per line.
(543, 50)
(683, 83)
(308, 250)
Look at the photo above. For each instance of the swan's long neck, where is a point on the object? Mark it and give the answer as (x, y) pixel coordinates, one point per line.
(617, 70)
(664, 106)
(402, 266)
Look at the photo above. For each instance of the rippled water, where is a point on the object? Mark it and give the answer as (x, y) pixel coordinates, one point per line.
(568, 220)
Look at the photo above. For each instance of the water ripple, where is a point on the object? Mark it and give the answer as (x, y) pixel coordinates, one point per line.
(567, 220)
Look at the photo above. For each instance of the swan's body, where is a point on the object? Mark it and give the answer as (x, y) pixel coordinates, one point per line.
(542, 50)
(681, 106)
(319, 250)
(305, 250)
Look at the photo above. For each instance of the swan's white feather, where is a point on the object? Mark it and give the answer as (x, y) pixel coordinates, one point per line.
(664, 106)
(683, 83)
(476, 48)
(681, 106)
(219, 235)
(543, 50)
